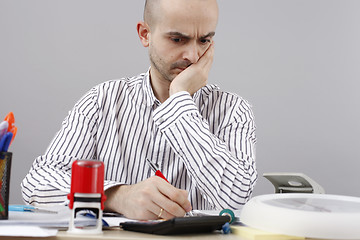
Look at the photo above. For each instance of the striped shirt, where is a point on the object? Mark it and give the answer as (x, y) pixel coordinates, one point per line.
(203, 143)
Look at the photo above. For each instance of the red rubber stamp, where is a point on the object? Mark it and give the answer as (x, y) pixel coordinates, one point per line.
(87, 194)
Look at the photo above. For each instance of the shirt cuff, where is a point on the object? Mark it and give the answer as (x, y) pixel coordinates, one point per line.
(173, 108)
(109, 184)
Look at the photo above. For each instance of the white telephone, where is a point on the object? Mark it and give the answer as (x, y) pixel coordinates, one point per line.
(293, 183)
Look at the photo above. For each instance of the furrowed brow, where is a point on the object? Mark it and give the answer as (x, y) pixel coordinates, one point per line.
(178, 34)
(182, 35)
(210, 34)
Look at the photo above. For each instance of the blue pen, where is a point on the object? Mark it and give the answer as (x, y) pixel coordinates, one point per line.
(5, 142)
(91, 215)
(4, 125)
(29, 208)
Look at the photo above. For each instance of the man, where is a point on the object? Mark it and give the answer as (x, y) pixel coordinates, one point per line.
(203, 139)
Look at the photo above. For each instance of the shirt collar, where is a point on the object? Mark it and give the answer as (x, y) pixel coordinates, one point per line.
(205, 91)
(150, 98)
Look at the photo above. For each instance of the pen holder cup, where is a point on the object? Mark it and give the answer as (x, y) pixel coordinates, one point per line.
(5, 167)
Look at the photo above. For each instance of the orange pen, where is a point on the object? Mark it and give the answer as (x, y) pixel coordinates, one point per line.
(11, 120)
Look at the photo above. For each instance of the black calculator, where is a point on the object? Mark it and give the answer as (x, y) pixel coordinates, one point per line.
(178, 225)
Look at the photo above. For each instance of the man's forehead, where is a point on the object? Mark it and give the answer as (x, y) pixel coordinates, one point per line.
(196, 12)
(191, 28)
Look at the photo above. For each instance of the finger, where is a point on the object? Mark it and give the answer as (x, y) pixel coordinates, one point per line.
(169, 205)
(155, 211)
(158, 202)
(160, 212)
(210, 55)
(160, 198)
(174, 200)
(176, 195)
(179, 203)
(209, 52)
(206, 59)
(148, 215)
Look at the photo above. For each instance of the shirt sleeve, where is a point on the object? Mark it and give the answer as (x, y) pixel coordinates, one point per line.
(49, 179)
(221, 164)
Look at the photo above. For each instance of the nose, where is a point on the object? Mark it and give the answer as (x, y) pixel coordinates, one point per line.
(192, 53)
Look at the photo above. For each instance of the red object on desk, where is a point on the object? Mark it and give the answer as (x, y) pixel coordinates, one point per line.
(87, 176)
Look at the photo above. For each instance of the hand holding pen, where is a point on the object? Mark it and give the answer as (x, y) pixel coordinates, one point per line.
(152, 198)
(158, 173)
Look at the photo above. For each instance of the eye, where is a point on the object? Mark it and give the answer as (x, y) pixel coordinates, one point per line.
(176, 40)
(205, 41)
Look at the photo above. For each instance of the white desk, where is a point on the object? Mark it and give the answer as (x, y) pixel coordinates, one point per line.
(127, 235)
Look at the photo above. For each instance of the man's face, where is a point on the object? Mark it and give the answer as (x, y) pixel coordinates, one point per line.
(180, 36)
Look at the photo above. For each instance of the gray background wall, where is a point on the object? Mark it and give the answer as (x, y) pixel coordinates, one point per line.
(297, 62)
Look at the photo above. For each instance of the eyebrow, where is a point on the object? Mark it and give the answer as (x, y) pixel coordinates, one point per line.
(182, 35)
(210, 34)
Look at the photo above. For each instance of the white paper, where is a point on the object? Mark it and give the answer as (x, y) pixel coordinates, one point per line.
(59, 220)
(26, 231)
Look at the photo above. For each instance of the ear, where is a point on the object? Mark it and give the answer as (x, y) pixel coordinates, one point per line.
(144, 33)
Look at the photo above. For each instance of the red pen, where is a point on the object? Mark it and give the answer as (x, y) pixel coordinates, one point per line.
(156, 170)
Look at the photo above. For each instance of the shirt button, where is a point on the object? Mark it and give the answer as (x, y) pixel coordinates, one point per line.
(161, 120)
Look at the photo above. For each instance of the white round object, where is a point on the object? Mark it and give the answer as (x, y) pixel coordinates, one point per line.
(305, 215)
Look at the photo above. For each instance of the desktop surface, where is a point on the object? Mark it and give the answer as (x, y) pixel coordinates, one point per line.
(119, 234)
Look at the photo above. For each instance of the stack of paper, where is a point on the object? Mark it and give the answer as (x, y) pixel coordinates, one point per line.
(36, 224)
(248, 233)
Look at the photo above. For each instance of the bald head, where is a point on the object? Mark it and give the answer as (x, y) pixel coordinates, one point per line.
(150, 11)
(153, 9)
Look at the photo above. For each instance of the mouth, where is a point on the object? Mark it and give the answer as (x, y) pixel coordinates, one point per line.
(178, 70)
(181, 68)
